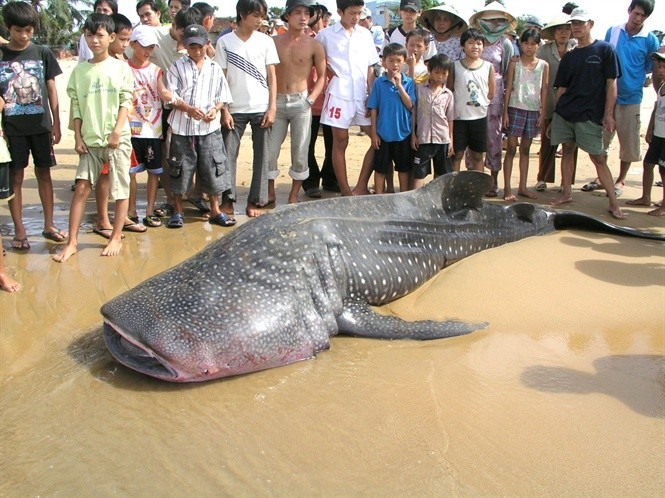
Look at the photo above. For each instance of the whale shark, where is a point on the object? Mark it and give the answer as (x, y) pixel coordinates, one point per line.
(274, 290)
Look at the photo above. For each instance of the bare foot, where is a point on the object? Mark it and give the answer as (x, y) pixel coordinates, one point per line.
(65, 254)
(526, 193)
(293, 200)
(642, 201)
(8, 284)
(617, 213)
(557, 201)
(659, 211)
(360, 191)
(509, 196)
(112, 248)
(253, 210)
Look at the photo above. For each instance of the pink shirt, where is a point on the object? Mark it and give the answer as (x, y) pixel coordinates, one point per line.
(433, 112)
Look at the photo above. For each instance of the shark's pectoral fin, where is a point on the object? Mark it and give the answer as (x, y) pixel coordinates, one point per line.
(358, 319)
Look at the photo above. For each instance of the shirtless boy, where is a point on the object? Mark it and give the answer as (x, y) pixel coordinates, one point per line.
(298, 53)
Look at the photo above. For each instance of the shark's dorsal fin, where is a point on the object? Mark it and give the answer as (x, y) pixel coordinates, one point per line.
(523, 211)
(464, 189)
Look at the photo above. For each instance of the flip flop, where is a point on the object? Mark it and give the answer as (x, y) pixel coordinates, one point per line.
(314, 193)
(54, 235)
(593, 185)
(176, 221)
(20, 244)
(164, 210)
(200, 205)
(152, 221)
(105, 232)
(134, 227)
(223, 220)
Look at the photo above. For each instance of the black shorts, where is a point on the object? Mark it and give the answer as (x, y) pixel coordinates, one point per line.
(41, 147)
(6, 186)
(398, 152)
(148, 153)
(424, 157)
(470, 133)
(656, 151)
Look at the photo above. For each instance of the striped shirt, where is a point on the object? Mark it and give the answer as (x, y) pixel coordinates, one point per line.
(203, 89)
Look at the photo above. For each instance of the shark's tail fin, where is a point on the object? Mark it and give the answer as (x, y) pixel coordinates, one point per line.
(570, 219)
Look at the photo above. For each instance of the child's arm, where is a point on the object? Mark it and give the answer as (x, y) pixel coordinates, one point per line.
(451, 148)
(414, 135)
(114, 138)
(56, 133)
(544, 85)
(403, 94)
(376, 140)
(370, 84)
(269, 116)
(491, 83)
(510, 77)
(320, 68)
(79, 144)
(649, 135)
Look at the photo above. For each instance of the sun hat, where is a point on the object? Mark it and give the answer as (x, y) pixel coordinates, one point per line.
(493, 10)
(292, 4)
(428, 16)
(580, 14)
(145, 35)
(548, 31)
(195, 34)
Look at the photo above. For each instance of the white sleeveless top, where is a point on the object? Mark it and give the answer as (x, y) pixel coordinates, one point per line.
(526, 87)
(471, 89)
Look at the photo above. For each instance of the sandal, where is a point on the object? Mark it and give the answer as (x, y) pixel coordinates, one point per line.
(176, 221)
(134, 227)
(152, 221)
(164, 210)
(20, 244)
(493, 192)
(55, 235)
(594, 185)
(223, 220)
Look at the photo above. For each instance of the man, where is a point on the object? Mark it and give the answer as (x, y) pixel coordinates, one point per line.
(586, 94)
(634, 45)
(377, 32)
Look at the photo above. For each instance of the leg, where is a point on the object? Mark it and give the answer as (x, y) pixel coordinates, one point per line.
(647, 181)
(76, 212)
(511, 149)
(660, 210)
(133, 187)
(404, 181)
(153, 181)
(115, 240)
(258, 190)
(477, 161)
(340, 143)
(605, 177)
(20, 240)
(566, 194)
(45, 188)
(7, 283)
(102, 200)
(312, 182)
(546, 156)
(365, 173)
(525, 148)
(379, 182)
(328, 178)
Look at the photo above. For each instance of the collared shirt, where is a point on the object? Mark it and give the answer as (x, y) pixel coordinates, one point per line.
(349, 56)
(433, 113)
(393, 122)
(634, 53)
(203, 89)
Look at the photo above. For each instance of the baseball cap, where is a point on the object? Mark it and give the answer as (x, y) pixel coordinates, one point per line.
(292, 4)
(365, 13)
(414, 5)
(580, 14)
(145, 35)
(658, 56)
(195, 34)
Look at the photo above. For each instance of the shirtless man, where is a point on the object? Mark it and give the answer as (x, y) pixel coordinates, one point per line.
(298, 54)
(23, 88)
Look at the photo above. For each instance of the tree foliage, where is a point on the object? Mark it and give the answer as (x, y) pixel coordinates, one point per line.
(275, 12)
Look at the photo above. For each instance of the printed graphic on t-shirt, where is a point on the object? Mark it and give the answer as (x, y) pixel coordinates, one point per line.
(472, 87)
(246, 66)
(20, 86)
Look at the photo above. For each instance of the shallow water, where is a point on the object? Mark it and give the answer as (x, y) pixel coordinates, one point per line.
(563, 393)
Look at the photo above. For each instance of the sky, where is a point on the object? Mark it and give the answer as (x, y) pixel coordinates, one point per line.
(608, 13)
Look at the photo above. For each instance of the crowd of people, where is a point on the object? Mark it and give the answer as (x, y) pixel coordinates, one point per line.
(168, 101)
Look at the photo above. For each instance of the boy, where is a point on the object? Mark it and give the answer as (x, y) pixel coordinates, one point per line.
(416, 44)
(199, 92)
(145, 119)
(101, 94)
(7, 283)
(351, 59)
(435, 111)
(472, 82)
(390, 105)
(107, 7)
(655, 137)
(31, 115)
(409, 11)
(298, 54)
(248, 58)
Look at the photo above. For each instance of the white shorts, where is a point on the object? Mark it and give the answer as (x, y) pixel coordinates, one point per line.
(340, 113)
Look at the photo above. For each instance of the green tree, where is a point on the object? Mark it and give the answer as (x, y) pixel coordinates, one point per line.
(275, 12)
(57, 21)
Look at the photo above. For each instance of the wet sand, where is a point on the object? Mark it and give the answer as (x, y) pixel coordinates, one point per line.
(562, 394)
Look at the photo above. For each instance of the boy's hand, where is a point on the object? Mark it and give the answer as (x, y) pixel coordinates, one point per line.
(451, 150)
(649, 135)
(227, 119)
(411, 60)
(210, 115)
(196, 113)
(113, 140)
(268, 118)
(397, 80)
(414, 142)
(505, 122)
(80, 147)
(56, 135)
(376, 141)
(608, 123)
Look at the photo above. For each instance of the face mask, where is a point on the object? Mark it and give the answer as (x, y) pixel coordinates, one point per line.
(493, 30)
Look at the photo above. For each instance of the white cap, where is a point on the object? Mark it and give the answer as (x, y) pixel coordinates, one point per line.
(365, 13)
(580, 14)
(145, 35)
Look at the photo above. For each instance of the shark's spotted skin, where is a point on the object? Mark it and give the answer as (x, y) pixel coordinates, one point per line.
(274, 290)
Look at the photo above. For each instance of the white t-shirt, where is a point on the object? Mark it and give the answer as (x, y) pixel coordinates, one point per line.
(349, 56)
(145, 116)
(398, 35)
(245, 63)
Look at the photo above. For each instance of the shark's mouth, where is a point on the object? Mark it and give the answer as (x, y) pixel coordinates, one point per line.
(137, 356)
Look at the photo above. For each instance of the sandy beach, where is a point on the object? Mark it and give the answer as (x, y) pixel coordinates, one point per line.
(563, 393)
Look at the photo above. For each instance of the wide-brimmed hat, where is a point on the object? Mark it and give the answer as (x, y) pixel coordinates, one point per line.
(548, 31)
(493, 10)
(428, 16)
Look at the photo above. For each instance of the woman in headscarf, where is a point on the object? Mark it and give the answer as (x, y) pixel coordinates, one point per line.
(558, 34)
(446, 24)
(494, 21)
